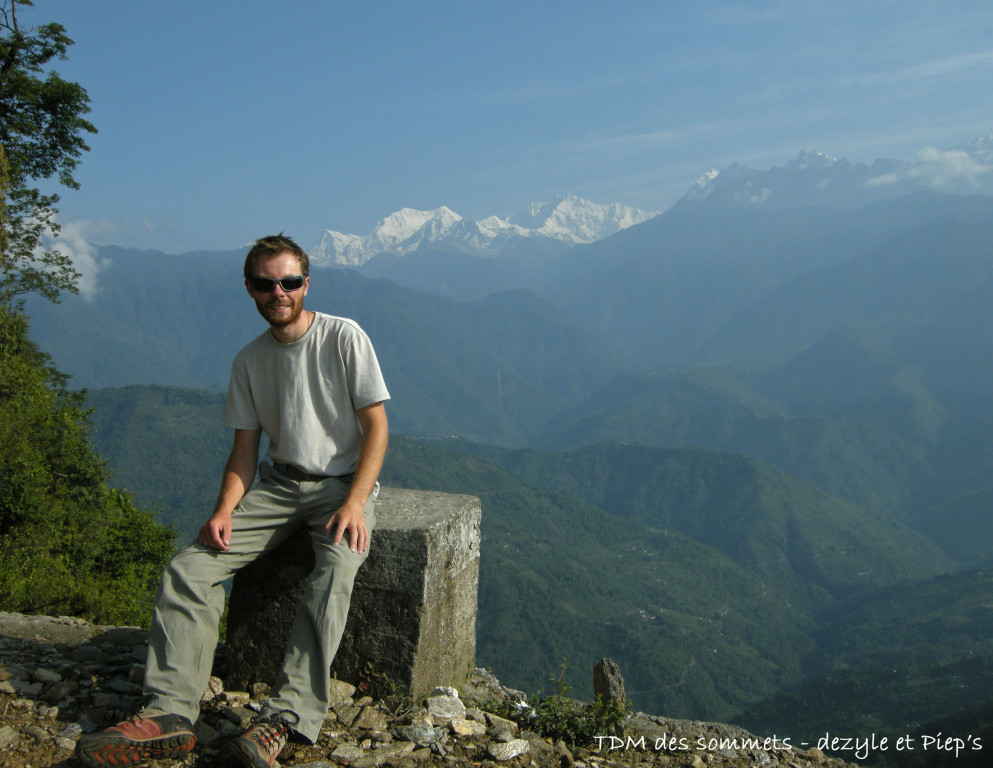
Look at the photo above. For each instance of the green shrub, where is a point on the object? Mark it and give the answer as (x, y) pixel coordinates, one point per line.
(559, 717)
(69, 543)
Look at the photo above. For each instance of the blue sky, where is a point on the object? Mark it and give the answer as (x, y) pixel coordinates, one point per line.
(220, 120)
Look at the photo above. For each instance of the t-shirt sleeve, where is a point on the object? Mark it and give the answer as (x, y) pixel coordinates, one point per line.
(239, 411)
(365, 379)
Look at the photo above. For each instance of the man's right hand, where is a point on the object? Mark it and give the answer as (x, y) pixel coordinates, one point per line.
(238, 475)
(216, 532)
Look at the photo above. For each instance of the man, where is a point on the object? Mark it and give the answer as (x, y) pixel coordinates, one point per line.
(312, 383)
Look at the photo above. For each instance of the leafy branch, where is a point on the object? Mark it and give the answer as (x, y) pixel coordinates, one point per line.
(42, 132)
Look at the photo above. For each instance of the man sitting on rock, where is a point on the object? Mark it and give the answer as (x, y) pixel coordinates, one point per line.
(312, 383)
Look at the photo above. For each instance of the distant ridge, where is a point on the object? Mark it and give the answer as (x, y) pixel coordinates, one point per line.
(567, 219)
(815, 178)
(810, 179)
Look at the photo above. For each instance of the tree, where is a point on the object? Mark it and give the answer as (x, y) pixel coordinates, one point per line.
(68, 541)
(42, 132)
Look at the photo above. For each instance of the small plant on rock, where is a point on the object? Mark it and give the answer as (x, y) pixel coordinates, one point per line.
(557, 716)
(394, 699)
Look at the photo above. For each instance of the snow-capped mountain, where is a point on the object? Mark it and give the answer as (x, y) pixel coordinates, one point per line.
(568, 219)
(814, 178)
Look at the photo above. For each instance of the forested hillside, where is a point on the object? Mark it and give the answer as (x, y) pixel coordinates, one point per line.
(70, 543)
(896, 660)
(714, 579)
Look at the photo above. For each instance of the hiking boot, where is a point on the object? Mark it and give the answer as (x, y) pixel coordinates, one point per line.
(259, 746)
(151, 735)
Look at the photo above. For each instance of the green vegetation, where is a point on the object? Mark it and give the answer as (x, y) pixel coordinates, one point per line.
(558, 716)
(41, 136)
(860, 702)
(891, 658)
(761, 413)
(761, 517)
(560, 577)
(69, 543)
(577, 723)
(166, 445)
(972, 724)
(939, 620)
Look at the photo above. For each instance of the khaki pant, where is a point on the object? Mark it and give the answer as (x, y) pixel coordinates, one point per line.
(190, 601)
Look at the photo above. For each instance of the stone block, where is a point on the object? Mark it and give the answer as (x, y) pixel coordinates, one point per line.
(412, 622)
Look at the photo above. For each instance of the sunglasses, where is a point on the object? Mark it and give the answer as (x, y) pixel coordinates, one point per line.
(268, 285)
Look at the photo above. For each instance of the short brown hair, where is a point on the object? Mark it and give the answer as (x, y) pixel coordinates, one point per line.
(273, 245)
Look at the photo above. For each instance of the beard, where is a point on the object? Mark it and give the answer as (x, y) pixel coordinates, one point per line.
(268, 308)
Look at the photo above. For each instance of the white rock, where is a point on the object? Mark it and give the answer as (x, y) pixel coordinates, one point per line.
(444, 709)
(467, 728)
(8, 736)
(508, 750)
(348, 753)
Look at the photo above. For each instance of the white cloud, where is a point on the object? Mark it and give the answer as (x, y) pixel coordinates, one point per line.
(941, 169)
(938, 67)
(884, 180)
(74, 241)
(946, 168)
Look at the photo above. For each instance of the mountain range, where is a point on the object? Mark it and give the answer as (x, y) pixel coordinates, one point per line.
(811, 179)
(563, 222)
(808, 207)
(814, 178)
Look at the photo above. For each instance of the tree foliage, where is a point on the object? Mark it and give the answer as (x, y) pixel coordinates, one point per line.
(41, 137)
(69, 543)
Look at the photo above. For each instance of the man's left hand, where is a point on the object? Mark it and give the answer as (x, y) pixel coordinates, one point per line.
(350, 520)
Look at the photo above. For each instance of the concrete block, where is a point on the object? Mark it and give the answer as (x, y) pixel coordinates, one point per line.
(412, 622)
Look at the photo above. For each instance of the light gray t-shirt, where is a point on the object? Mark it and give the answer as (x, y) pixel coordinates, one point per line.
(304, 395)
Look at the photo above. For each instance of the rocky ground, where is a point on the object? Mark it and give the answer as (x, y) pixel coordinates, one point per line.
(62, 677)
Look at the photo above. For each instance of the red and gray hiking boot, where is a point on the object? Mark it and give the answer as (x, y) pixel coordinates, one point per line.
(152, 735)
(259, 746)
